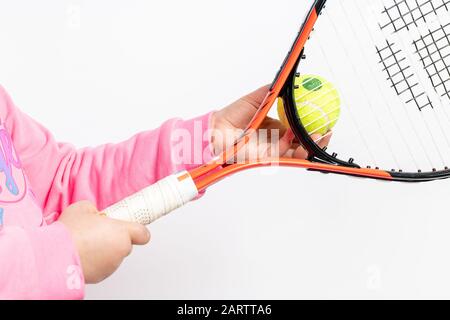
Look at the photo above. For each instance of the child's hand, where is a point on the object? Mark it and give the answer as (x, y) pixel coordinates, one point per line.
(229, 122)
(102, 243)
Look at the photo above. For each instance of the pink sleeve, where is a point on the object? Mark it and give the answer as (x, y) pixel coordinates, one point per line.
(42, 262)
(39, 263)
(60, 174)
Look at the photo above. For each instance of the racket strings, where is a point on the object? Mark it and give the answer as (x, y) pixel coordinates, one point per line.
(415, 88)
(404, 109)
(421, 44)
(352, 117)
(413, 97)
(385, 100)
(399, 79)
(403, 14)
(363, 90)
(425, 83)
(443, 59)
(433, 54)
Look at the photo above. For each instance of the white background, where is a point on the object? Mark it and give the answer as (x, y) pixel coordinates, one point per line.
(97, 71)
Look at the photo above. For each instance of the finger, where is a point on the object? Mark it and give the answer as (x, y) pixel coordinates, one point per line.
(324, 141)
(289, 135)
(239, 113)
(316, 138)
(285, 142)
(295, 145)
(297, 153)
(139, 234)
(300, 153)
(256, 97)
(271, 123)
(275, 128)
(87, 207)
(289, 154)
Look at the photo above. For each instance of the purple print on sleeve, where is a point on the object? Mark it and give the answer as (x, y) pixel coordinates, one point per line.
(12, 179)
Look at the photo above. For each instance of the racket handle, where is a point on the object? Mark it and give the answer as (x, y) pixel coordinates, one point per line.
(154, 202)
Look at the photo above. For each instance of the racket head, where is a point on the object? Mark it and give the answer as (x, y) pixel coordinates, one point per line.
(400, 78)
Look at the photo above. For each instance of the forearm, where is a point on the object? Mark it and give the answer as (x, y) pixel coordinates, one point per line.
(109, 173)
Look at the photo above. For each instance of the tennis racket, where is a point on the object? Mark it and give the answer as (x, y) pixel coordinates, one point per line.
(390, 61)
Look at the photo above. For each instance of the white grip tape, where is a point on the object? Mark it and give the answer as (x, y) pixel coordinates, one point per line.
(154, 202)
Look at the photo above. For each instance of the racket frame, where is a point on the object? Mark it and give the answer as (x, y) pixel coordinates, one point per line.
(283, 86)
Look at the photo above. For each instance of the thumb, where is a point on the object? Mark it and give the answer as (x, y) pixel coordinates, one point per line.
(256, 97)
(139, 234)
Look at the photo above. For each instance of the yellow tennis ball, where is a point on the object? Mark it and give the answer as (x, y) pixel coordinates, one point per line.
(318, 104)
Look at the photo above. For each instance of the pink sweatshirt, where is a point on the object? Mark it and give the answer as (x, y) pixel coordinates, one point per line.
(39, 177)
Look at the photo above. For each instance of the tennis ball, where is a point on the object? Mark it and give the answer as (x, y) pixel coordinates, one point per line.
(318, 104)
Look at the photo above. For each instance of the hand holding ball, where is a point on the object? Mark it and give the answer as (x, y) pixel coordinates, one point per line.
(318, 104)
